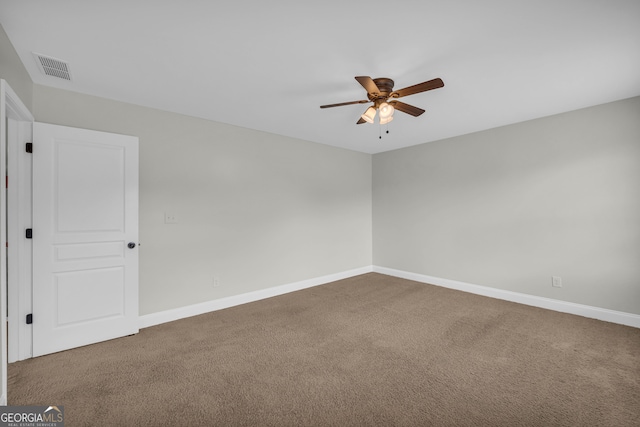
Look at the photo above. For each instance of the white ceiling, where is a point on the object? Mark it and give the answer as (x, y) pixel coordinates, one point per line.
(269, 65)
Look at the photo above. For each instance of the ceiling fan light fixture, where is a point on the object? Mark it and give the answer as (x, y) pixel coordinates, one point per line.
(386, 110)
(385, 120)
(369, 115)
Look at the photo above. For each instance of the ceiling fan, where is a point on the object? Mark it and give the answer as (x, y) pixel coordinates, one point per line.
(380, 91)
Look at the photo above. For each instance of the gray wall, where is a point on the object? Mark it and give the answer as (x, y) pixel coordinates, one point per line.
(12, 70)
(512, 206)
(256, 210)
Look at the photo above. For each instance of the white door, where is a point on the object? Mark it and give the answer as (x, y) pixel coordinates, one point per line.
(85, 226)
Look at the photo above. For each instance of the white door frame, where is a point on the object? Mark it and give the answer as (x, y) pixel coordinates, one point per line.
(13, 112)
(19, 251)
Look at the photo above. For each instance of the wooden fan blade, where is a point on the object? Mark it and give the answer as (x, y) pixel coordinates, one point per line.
(420, 87)
(368, 84)
(364, 101)
(406, 108)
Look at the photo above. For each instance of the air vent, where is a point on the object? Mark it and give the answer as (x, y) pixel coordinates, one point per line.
(53, 67)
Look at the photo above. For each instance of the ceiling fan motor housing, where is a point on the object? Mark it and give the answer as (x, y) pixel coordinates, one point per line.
(386, 87)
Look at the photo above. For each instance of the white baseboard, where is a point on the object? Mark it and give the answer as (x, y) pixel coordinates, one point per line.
(604, 314)
(193, 310)
(613, 316)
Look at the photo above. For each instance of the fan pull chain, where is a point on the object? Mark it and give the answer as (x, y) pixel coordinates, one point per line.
(380, 133)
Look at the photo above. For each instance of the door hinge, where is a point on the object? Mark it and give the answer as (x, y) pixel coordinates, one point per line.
(29, 319)
(29, 147)
(28, 233)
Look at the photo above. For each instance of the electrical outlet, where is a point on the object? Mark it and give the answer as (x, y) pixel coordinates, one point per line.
(216, 282)
(556, 281)
(170, 218)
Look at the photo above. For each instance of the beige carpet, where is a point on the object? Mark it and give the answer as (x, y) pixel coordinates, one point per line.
(367, 351)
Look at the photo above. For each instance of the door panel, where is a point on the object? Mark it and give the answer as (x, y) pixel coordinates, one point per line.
(80, 207)
(85, 212)
(100, 292)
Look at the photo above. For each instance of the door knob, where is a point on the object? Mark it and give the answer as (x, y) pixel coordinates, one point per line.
(131, 245)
